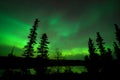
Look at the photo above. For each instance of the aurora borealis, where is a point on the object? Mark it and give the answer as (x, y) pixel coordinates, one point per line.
(68, 24)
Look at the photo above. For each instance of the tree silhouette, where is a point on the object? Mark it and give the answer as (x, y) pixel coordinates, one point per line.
(117, 50)
(43, 47)
(92, 60)
(108, 56)
(109, 53)
(42, 56)
(11, 54)
(117, 33)
(32, 40)
(58, 57)
(93, 55)
(100, 44)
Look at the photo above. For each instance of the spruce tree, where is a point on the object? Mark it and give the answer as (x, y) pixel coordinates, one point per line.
(43, 47)
(32, 40)
(93, 58)
(100, 44)
(42, 55)
(91, 49)
(109, 54)
(117, 50)
(117, 33)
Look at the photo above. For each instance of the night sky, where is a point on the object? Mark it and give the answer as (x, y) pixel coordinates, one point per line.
(68, 24)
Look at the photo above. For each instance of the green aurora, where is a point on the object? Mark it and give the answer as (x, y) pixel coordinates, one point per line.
(68, 24)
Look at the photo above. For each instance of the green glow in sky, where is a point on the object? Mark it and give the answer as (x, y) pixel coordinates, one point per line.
(68, 25)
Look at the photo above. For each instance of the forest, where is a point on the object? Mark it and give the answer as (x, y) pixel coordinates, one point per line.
(100, 64)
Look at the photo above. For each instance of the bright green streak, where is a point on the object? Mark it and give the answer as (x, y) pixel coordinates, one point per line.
(12, 32)
(63, 33)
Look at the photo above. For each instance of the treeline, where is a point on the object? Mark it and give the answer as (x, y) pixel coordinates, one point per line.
(100, 63)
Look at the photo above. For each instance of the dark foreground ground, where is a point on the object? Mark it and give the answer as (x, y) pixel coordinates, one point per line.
(64, 76)
(109, 70)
